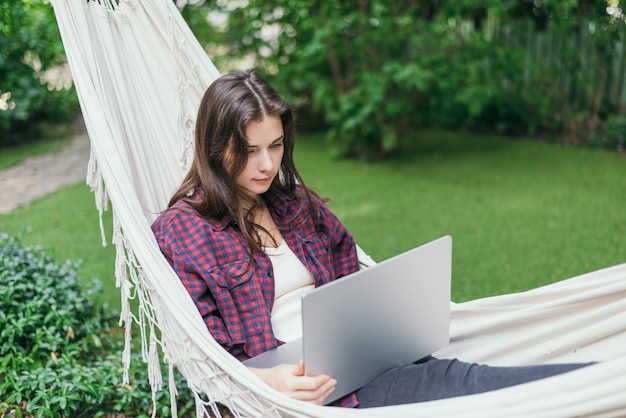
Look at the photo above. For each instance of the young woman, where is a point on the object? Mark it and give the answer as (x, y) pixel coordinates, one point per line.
(247, 238)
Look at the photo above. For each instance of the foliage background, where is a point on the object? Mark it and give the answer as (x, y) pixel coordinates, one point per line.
(371, 71)
(34, 87)
(59, 354)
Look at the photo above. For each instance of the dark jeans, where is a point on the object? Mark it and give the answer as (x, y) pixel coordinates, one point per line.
(431, 379)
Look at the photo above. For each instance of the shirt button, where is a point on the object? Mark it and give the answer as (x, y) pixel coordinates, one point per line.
(270, 273)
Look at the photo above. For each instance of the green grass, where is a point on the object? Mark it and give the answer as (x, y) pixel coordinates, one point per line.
(49, 138)
(67, 224)
(521, 214)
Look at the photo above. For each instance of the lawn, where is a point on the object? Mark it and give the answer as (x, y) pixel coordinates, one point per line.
(51, 138)
(521, 213)
(67, 224)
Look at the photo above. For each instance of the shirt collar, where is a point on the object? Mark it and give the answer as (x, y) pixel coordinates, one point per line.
(284, 207)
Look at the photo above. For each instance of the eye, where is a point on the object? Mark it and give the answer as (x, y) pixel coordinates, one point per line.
(277, 145)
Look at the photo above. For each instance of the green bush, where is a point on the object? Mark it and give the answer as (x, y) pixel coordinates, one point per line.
(30, 45)
(612, 135)
(374, 71)
(60, 353)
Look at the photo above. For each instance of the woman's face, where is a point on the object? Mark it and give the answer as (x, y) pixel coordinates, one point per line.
(265, 154)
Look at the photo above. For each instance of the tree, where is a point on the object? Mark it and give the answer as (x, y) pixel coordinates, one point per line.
(375, 70)
(30, 45)
(356, 64)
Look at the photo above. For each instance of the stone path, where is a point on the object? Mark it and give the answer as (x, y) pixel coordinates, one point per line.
(43, 174)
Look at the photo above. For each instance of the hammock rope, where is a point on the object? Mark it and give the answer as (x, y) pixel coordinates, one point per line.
(139, 74)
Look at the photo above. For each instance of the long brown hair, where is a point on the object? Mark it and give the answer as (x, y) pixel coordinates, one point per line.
(221, 150)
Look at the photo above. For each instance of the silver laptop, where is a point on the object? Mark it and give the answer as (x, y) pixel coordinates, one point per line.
(358, 327)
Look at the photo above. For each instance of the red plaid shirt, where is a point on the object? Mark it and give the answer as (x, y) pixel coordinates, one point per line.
(210, 258)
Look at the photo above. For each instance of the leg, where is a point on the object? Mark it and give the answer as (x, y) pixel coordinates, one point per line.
(432, 379)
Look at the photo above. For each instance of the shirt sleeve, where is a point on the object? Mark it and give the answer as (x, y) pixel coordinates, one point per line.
(183, 241)
(341, 242)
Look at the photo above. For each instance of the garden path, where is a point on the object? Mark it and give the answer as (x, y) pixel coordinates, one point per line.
(43, 174)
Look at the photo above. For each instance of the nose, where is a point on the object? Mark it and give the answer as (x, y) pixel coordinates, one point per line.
(265, 162)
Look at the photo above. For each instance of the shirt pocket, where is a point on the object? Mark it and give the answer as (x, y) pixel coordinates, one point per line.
(240, 300)
(317, 249)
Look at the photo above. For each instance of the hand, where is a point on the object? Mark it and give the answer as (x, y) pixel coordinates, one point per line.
(290, 380)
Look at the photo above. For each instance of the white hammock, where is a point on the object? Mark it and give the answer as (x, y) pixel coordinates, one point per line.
(140, 73)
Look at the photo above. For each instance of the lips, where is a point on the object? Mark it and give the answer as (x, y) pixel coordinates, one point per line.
(264, 180)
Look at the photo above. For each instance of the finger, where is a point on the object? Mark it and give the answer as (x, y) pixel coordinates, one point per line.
(312, 383)
(316, 388)
(300, 369)
(329, 390)
(317, 395)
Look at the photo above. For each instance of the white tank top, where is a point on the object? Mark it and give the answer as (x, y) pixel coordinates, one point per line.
(291, 280)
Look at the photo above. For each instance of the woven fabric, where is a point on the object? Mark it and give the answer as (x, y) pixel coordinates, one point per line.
(140, 73)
